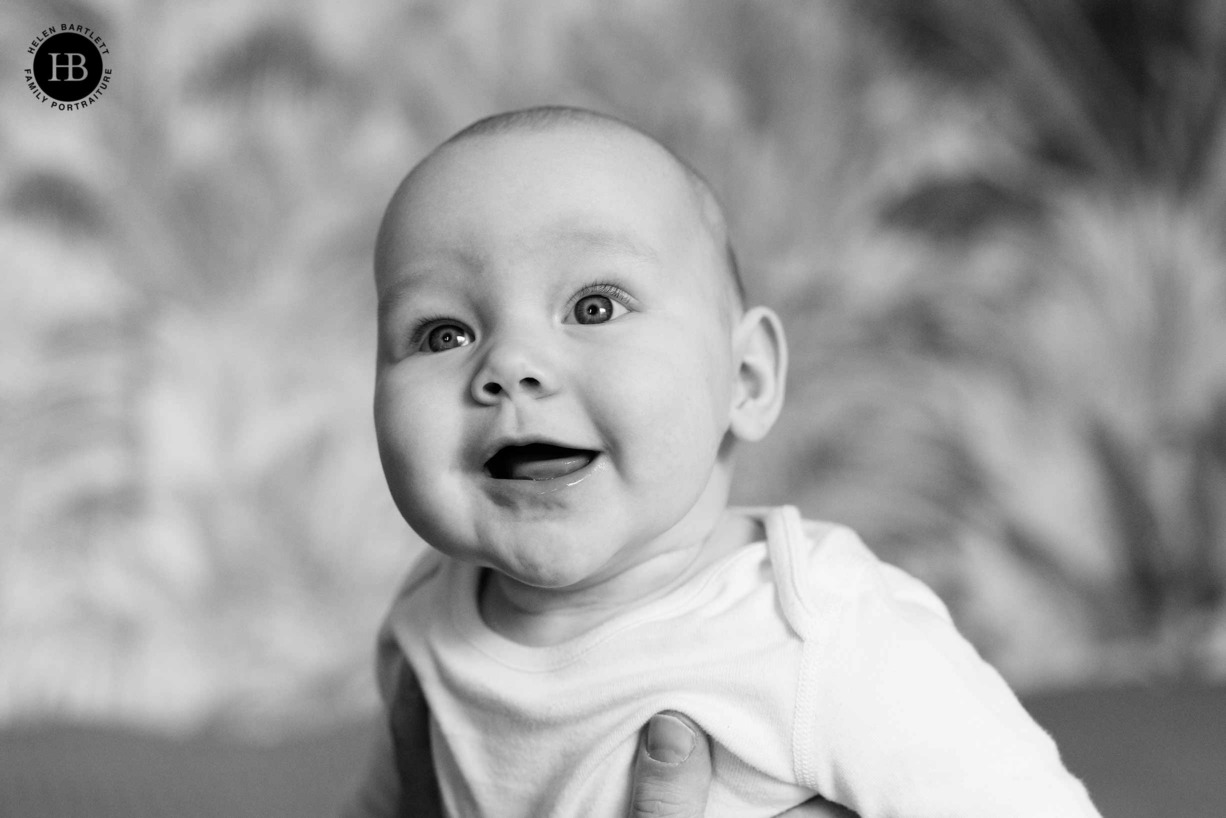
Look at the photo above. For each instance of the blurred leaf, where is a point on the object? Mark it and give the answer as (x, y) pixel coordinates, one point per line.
(1119, 88)
(959, 208)
(276, 53)
(1151, 572)
(60, 200)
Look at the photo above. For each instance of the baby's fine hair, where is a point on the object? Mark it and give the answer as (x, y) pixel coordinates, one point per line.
(545, 117)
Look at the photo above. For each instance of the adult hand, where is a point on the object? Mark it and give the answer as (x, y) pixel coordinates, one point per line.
(672, 774)
(672, 769)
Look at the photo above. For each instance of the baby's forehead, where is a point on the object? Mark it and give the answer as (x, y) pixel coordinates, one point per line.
(558, 175)
(610, 176)
(575, 155)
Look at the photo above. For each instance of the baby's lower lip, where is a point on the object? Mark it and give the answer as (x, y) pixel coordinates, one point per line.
(538, 462)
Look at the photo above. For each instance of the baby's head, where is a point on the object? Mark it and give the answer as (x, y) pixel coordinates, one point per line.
(565, 361)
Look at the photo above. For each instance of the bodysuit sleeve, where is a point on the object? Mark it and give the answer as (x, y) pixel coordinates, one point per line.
(899, 717)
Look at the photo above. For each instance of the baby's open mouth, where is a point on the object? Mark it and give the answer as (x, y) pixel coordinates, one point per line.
(537, 461)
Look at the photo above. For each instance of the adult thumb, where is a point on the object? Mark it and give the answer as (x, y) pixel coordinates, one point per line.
(672, 769)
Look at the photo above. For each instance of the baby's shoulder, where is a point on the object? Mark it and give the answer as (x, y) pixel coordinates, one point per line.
(821, 569)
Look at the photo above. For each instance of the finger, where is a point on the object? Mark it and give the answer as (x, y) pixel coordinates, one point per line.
(410, 726)
(818, 807)
(672, 770)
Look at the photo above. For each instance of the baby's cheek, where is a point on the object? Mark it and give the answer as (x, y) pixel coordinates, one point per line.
(408, 437)
(670, 419)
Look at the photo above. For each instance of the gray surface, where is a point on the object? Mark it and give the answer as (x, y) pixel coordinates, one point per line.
(74, 771)
(1144, 752)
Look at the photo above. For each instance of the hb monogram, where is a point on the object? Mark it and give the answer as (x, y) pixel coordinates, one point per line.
(68, 71)
(70, 64)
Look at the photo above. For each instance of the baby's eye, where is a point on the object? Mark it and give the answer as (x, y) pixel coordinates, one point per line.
(446, 336)
(596, 309)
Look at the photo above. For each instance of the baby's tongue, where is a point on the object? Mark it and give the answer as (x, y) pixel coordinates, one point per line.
(540, 461)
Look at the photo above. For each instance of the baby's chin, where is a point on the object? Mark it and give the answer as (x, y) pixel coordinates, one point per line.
(563, 568)
(564, 552)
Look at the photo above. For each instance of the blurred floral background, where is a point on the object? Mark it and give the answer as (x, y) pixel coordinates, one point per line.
(994, 231)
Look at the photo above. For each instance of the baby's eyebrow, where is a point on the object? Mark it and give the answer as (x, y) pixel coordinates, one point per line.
(394, 296)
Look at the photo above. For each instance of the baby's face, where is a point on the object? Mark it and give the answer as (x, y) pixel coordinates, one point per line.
(555, 365)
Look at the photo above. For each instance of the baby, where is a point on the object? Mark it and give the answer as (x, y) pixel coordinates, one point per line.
(566, 368)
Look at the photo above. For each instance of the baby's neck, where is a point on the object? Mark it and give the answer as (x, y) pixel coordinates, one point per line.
(549, 616)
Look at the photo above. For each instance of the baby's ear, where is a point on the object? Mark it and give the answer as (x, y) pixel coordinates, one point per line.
(762, 365)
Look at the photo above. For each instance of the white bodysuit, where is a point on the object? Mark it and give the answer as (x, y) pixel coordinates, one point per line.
(813, 666)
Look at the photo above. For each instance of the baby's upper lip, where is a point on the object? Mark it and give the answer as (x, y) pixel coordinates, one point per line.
(503, 441)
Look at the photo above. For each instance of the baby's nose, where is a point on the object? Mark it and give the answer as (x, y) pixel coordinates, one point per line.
(512, 369)
(528, 384)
